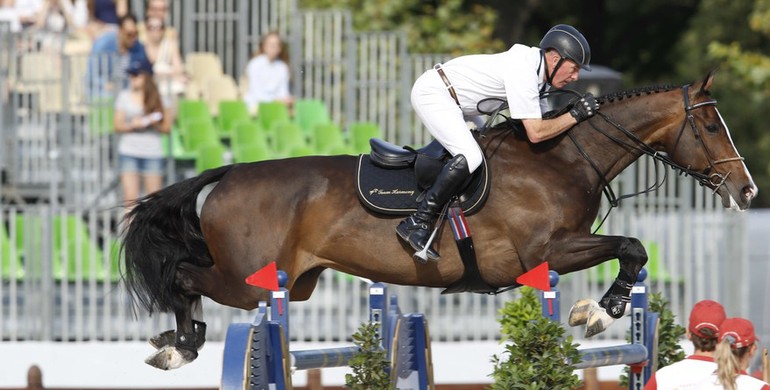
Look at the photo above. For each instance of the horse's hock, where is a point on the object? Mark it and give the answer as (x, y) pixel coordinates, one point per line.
(257, 355)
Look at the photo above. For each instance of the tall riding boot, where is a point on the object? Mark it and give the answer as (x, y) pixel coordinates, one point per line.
(416, 229)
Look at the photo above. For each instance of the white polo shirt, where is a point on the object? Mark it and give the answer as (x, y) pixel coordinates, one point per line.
(516, 75)
(683, 374)
(742, 382)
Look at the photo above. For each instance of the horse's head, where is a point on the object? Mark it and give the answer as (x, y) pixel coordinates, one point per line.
(703, 146)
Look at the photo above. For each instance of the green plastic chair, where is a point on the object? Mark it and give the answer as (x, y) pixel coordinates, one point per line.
(250, 153)
(328, 137)
(101, 116)
(272, 112)
(249, 133)
(113, 246)
(198, 134)
(310, 113)
(287, 136)
(176, 150)
(300, 151)
(80, 252)
(192, 110)
(360, 133)
(230, 113)
(10, 260)
(210, 156)
(29, 238)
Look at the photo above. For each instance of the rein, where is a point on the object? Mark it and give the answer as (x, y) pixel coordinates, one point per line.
(706, 178)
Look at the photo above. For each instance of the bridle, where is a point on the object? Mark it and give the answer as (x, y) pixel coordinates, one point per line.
(708, 177)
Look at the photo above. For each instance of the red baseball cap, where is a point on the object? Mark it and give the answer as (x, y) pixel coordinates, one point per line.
(706, 314)
(739, 331)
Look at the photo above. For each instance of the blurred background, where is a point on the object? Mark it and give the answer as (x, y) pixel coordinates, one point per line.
(351, 64)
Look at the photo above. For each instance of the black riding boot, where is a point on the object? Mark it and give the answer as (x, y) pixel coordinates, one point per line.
(416, 229)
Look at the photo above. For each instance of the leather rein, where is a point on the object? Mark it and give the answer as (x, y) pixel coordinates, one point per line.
(706, 177)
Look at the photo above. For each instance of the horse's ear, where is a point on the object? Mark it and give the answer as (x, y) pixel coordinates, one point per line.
(706, 84)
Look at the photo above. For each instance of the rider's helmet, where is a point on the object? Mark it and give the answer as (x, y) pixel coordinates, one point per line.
(570, 44)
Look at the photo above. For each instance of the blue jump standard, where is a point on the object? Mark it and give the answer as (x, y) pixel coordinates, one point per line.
(638, 354)
(257, 356)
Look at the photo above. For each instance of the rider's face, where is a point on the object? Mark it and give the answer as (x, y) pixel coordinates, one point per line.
(568, 72)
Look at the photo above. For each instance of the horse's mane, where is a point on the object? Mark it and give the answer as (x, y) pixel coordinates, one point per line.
(612, 97)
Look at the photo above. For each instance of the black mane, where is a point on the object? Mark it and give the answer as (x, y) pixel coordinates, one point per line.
(611, 97)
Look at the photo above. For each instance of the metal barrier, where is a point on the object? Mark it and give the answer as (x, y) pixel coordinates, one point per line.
(644, 335)
(257, 355)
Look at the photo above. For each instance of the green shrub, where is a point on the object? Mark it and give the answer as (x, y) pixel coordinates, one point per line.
(370, 364)
(537, 355)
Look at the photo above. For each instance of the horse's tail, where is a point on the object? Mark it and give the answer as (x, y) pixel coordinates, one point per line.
(160, 232)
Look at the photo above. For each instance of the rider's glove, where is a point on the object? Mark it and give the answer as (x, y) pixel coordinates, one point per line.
(584, 108)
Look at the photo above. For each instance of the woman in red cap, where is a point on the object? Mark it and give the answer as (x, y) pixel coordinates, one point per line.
(703, 328)
(737, 345)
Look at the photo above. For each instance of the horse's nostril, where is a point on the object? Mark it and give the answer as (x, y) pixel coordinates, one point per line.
(749, 192)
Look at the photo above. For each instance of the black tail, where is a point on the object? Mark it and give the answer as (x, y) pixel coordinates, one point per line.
(162, 231)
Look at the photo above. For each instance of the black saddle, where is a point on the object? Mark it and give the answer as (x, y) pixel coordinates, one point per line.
(392, 179)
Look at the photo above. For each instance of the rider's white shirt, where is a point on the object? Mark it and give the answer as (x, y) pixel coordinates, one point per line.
(511, 75)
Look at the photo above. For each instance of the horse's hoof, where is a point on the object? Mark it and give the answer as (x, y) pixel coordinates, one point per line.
(163, 339)
(598, 322)
(169, 358)
(578, 314)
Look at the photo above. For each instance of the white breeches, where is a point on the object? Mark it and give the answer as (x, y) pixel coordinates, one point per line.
(443, 118)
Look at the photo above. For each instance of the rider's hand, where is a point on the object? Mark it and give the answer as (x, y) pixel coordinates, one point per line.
(584, 108)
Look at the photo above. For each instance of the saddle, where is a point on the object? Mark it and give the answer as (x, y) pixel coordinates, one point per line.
(392, 180)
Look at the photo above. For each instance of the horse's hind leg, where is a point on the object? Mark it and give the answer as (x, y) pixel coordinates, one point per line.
(177, 348)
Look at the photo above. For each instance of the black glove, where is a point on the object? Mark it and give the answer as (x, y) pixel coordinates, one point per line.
(584, 108)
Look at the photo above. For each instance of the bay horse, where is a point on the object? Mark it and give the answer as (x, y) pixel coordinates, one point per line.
(203, 236)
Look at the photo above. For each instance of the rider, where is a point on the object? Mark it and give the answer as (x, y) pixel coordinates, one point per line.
(444, 95)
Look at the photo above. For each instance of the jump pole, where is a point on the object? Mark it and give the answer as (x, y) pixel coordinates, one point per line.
(257, 355)
(639, 355)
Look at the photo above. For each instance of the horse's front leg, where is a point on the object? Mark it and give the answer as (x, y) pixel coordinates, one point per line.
(574, 253)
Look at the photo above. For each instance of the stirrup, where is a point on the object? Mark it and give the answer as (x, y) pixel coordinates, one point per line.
(422, 256)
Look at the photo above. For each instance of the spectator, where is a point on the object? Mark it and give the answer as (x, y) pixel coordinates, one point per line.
(53, 21)
(267, 73)
(157, 9)
(105, 16)
(737, 345)
(703, 328)
(122, 44)
(163, 53)
(140, 119)
(27, 11)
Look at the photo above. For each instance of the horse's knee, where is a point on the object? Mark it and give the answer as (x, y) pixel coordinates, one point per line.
(632, 250)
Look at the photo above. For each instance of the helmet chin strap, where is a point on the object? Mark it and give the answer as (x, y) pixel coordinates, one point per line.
(549, 75)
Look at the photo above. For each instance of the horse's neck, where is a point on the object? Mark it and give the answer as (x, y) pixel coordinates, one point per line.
(649, 118)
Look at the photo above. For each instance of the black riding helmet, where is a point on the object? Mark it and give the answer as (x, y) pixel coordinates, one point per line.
(570, 44)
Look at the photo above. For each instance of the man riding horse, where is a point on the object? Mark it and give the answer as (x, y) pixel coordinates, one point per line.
(443, 96)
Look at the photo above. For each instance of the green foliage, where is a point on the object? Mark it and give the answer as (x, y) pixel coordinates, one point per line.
(450, 26)
(370, 364)
(669, 334)
(537, 355)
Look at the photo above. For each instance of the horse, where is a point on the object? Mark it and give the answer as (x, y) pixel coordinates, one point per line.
(205, 235)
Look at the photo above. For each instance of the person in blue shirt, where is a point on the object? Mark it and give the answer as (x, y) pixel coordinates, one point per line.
(110, 55)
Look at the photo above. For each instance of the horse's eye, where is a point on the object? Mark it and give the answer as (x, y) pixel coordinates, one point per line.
(712, 128)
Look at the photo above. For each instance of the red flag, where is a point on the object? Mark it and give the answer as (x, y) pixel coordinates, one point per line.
(267, 277)
(536, 278)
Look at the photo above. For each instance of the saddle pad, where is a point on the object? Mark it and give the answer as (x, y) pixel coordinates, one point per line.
(395, 191)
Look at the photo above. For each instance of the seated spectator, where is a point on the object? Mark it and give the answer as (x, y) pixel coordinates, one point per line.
(703, 328)
(105, 15)
(53, 21)
(164, 54)
(122, 45)
(140, 118)
(737, 346)
(157, 9)
(267, 73)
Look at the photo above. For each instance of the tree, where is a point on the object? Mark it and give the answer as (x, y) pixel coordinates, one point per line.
(443, 26)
